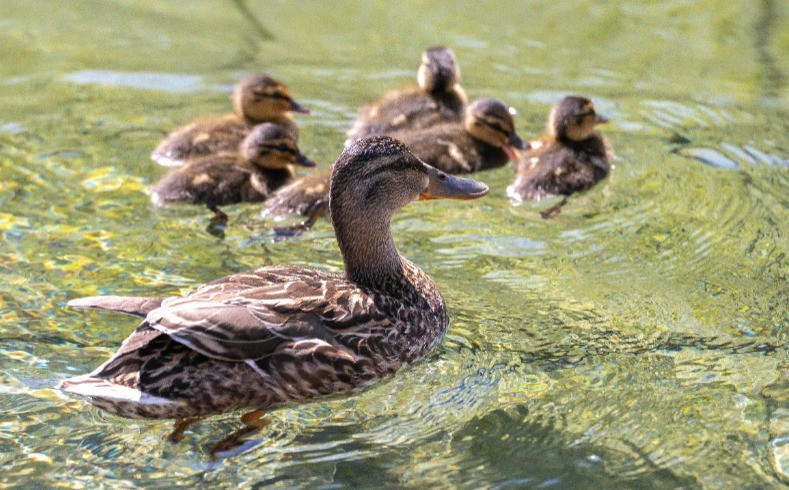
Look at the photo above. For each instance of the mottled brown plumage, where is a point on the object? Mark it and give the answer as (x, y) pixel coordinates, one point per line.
(485, 139)
(306, 196)
(262, 338)
(256, 99)
(572, 156)
(264, 163)
(437, 98)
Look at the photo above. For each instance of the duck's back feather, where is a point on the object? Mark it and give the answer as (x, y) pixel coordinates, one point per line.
(408, 109)
(449, 147)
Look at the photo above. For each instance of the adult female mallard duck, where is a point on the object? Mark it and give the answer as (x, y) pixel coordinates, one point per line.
(256, 99)
(573, 156)
(437, 98)
(485, 139)
(262, 338)
(263, 163)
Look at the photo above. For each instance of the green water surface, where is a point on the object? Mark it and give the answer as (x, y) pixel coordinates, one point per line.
(638, 340)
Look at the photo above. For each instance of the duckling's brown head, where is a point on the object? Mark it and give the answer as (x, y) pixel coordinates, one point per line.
(439, 71)
(273, 146)
(491, 121)
(263, 98)
(574, 118)
(373, 178)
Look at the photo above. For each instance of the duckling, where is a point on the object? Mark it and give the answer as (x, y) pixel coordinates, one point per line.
(264, 162)
(306, 196)
(256, 99)
(573, 156)
(260, 339)
(485, 139)
(437, 98)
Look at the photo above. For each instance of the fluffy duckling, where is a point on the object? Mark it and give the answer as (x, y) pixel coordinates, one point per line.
(573, 156)
(437, 98)
(256, 99)
(306, 196)
(260, 339)
(485, 139)
(264, 162)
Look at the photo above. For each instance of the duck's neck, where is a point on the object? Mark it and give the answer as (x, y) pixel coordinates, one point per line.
(367, 247)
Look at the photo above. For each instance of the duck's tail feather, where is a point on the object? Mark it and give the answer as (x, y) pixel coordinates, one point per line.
(130, 305)
(118, 399)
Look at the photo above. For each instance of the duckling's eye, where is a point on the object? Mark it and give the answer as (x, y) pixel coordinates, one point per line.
(497, 126)
(442, 176)
(285, 148)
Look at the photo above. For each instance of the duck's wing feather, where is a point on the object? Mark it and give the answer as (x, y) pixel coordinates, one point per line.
(248, 315)
(129, 305)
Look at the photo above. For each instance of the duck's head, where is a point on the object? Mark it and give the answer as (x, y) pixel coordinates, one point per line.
(373, 178)
(574, 118)
(439, 71)
(263, 98)
(491, 121)
(273, 146)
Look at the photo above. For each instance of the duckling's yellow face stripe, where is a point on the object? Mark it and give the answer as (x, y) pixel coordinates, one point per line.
(581, 125)
(491, 129)
(266, 103)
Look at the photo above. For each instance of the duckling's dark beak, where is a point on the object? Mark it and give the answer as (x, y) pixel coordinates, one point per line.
(514, 144)
(296, 107)
(517, 142)
(444, 186)
(600, 119)
(303, 160)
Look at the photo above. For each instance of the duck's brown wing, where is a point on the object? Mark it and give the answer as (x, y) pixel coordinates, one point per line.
(129, 305)
(248, 315)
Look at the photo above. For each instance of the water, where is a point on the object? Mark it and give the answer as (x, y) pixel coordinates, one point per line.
(638, 340)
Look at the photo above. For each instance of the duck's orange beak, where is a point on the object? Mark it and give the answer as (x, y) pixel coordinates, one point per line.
(444, 186)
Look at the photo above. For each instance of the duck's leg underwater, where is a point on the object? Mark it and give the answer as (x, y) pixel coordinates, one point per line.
(554, 210)
(233, 445)
(180, 427)
(218, 222)
(318, 209)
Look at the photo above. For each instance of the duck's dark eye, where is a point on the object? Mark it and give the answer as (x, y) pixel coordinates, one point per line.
(285, 148)
(442, 176)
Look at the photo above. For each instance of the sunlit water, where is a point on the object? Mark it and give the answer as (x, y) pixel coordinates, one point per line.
(637, 340)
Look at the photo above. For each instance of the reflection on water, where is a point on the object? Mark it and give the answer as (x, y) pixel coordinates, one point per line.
(147, 81)
(636, 341)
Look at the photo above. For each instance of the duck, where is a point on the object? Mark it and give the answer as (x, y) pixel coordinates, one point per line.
(572, 156)
(263, 163)
(485, 139)
(438, 97)
(277, 335)
(256, 99)
(306, 196)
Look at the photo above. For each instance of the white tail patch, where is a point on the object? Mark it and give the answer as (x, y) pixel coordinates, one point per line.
(166, 161)
(104, 390)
